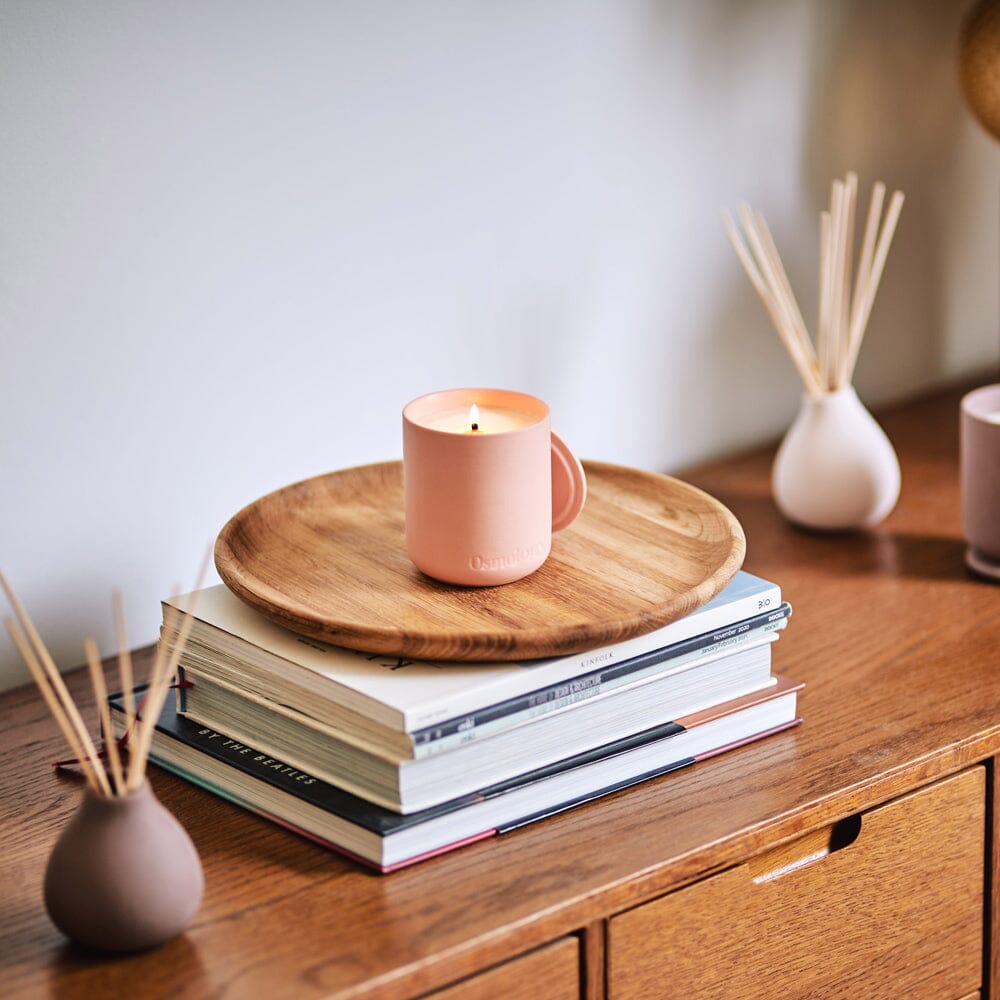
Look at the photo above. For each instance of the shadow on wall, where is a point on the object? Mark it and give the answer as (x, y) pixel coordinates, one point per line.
(748, 84)
(886, 102)
(882, 98)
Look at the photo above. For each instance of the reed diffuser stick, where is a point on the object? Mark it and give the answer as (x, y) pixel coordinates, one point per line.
(801, 334)
(58, 685)
(825, 293)
(101, 697)
(757, 280)
(136, 762)
(825, 363)
(164, 671)
(839, 297)
(58, 713)
(125, 672)
(867, 250)
(764, 278)
(845, 304)
(66, 714)
(872, 281)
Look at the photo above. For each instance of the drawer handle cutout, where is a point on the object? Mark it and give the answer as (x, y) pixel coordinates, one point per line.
(806, 850)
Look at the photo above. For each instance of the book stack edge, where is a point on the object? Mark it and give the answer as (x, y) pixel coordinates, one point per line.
(391, 761)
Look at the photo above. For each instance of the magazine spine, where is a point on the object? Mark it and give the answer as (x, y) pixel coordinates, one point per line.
(765, 598)
(484, 722)
(750, 597)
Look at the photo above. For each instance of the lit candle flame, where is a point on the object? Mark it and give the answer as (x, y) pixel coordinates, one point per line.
(474, 417)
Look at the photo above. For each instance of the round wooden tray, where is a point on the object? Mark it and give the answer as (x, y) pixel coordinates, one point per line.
(327, 558)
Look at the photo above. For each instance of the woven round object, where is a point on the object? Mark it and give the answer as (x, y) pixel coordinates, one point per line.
(979, 63)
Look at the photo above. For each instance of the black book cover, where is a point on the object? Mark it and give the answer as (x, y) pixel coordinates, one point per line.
(354, 809)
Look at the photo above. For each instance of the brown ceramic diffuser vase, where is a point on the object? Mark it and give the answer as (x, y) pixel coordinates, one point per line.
(124, 875)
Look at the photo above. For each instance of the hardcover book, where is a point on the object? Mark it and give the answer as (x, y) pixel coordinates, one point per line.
(414, 784)
(295, 798)
(396, 702)
(205, 697)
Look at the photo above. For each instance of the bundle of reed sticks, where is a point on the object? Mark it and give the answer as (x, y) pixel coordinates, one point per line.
(120, 776)
(826, 364)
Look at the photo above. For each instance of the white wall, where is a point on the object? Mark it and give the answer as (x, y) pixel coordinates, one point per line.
(235, 237)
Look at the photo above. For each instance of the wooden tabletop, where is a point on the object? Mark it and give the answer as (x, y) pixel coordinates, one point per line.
(896, 643)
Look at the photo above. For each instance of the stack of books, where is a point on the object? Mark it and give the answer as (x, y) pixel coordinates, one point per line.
(391, 760)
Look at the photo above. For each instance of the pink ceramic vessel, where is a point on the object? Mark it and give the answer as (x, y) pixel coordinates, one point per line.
(980, 465)
(485, 488)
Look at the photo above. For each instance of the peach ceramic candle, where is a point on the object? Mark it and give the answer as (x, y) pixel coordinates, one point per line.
(486, 481)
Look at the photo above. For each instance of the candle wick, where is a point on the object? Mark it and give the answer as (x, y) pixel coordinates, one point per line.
(475, 427)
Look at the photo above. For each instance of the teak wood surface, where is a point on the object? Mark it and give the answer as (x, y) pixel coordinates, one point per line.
(779, 915)
(556, 967)
(897, 645)
(327, 558)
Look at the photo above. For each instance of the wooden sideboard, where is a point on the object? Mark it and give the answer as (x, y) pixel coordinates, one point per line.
(855, 856)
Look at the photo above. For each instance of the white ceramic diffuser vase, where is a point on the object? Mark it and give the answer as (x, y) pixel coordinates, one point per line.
(835, 469)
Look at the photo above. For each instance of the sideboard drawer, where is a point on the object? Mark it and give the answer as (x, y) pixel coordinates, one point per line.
(550, 973)
(886, 904)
